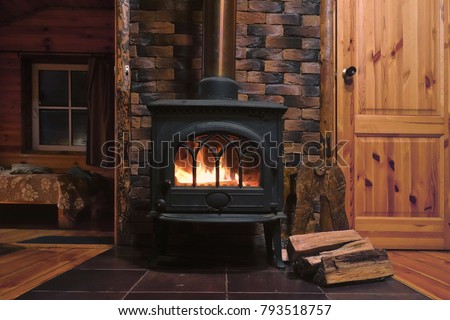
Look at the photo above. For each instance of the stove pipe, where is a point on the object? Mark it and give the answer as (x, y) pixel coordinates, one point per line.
(219, 50)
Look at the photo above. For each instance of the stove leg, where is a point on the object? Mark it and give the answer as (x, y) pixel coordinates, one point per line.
(268, 237)
(272, 237)
(277, 245)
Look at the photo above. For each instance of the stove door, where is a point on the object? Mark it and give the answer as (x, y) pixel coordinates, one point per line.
(219, 166)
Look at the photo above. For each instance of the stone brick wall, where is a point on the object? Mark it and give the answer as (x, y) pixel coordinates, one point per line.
(277, 59)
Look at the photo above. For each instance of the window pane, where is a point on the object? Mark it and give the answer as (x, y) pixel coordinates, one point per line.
(53, 88)
(79, 88)
(79, 127)
(53, 127)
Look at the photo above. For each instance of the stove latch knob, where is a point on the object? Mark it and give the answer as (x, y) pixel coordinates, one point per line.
(160, 205)
(163, 188)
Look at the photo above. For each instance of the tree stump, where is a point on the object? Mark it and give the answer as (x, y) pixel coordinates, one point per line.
(328, 183)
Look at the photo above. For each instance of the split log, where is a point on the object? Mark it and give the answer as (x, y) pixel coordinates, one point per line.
(356, 266)
(307, 267)
(315, 243)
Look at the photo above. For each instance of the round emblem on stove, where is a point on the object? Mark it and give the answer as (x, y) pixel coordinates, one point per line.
(217, 200)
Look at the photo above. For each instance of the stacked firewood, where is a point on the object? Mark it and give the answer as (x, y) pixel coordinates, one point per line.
(336, 257)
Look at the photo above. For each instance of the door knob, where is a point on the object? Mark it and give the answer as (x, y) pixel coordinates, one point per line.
(348, 74)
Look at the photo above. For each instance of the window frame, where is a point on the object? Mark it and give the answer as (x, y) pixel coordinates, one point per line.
(35, 107)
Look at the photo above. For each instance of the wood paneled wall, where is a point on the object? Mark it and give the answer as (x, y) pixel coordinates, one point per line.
(53, 31)
(61, 30)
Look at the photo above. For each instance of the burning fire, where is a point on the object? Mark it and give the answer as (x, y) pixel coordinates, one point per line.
(205, 172)
(205, 166)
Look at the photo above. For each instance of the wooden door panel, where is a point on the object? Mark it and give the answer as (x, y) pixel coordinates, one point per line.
(393, 116)
(398, 73)
(399, 125)
(398, 177)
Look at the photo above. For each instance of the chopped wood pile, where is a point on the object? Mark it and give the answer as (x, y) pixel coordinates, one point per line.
(336, 257)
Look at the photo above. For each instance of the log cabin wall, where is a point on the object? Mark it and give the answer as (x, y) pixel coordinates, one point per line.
(48, 31)
(277, 59)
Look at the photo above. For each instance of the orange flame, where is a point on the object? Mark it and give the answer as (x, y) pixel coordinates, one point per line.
(206, 172)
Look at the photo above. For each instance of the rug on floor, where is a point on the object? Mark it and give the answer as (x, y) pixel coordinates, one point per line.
(70, 240)
(8, 248)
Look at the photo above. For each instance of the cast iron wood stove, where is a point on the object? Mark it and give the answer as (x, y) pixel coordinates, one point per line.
(217, 159)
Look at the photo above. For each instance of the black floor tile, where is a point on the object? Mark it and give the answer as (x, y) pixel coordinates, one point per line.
(376, 296)
(130, 251)
(276, 296)
(268, 281)
(182, 281)
(116, 259)
(61, 295)
(183, 262)
(256, 261)
(176, 296)
(93, 280)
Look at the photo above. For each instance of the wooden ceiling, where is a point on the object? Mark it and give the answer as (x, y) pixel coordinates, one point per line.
(11, 10)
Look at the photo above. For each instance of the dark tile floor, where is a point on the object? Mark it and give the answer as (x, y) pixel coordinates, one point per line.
(239, 272)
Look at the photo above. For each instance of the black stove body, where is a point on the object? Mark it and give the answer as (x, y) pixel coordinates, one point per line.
(239, 137)
(218, 159)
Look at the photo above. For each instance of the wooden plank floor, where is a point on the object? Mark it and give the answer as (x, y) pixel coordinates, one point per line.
(427, 272)
(34, 264)
(17, 235)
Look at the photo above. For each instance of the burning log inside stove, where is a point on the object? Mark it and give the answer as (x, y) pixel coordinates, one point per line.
(216, 161)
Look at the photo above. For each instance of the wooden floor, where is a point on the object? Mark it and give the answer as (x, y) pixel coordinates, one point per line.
(425, 271)
(29, 265)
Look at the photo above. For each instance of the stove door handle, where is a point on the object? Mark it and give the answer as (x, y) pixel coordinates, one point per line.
(163, 188)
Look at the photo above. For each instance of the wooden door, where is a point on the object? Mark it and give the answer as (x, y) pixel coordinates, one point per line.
(394, 114)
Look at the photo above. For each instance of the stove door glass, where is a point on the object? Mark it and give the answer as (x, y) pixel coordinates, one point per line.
(218, 160)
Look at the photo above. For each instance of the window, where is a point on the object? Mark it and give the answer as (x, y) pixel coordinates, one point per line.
(59, 107)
